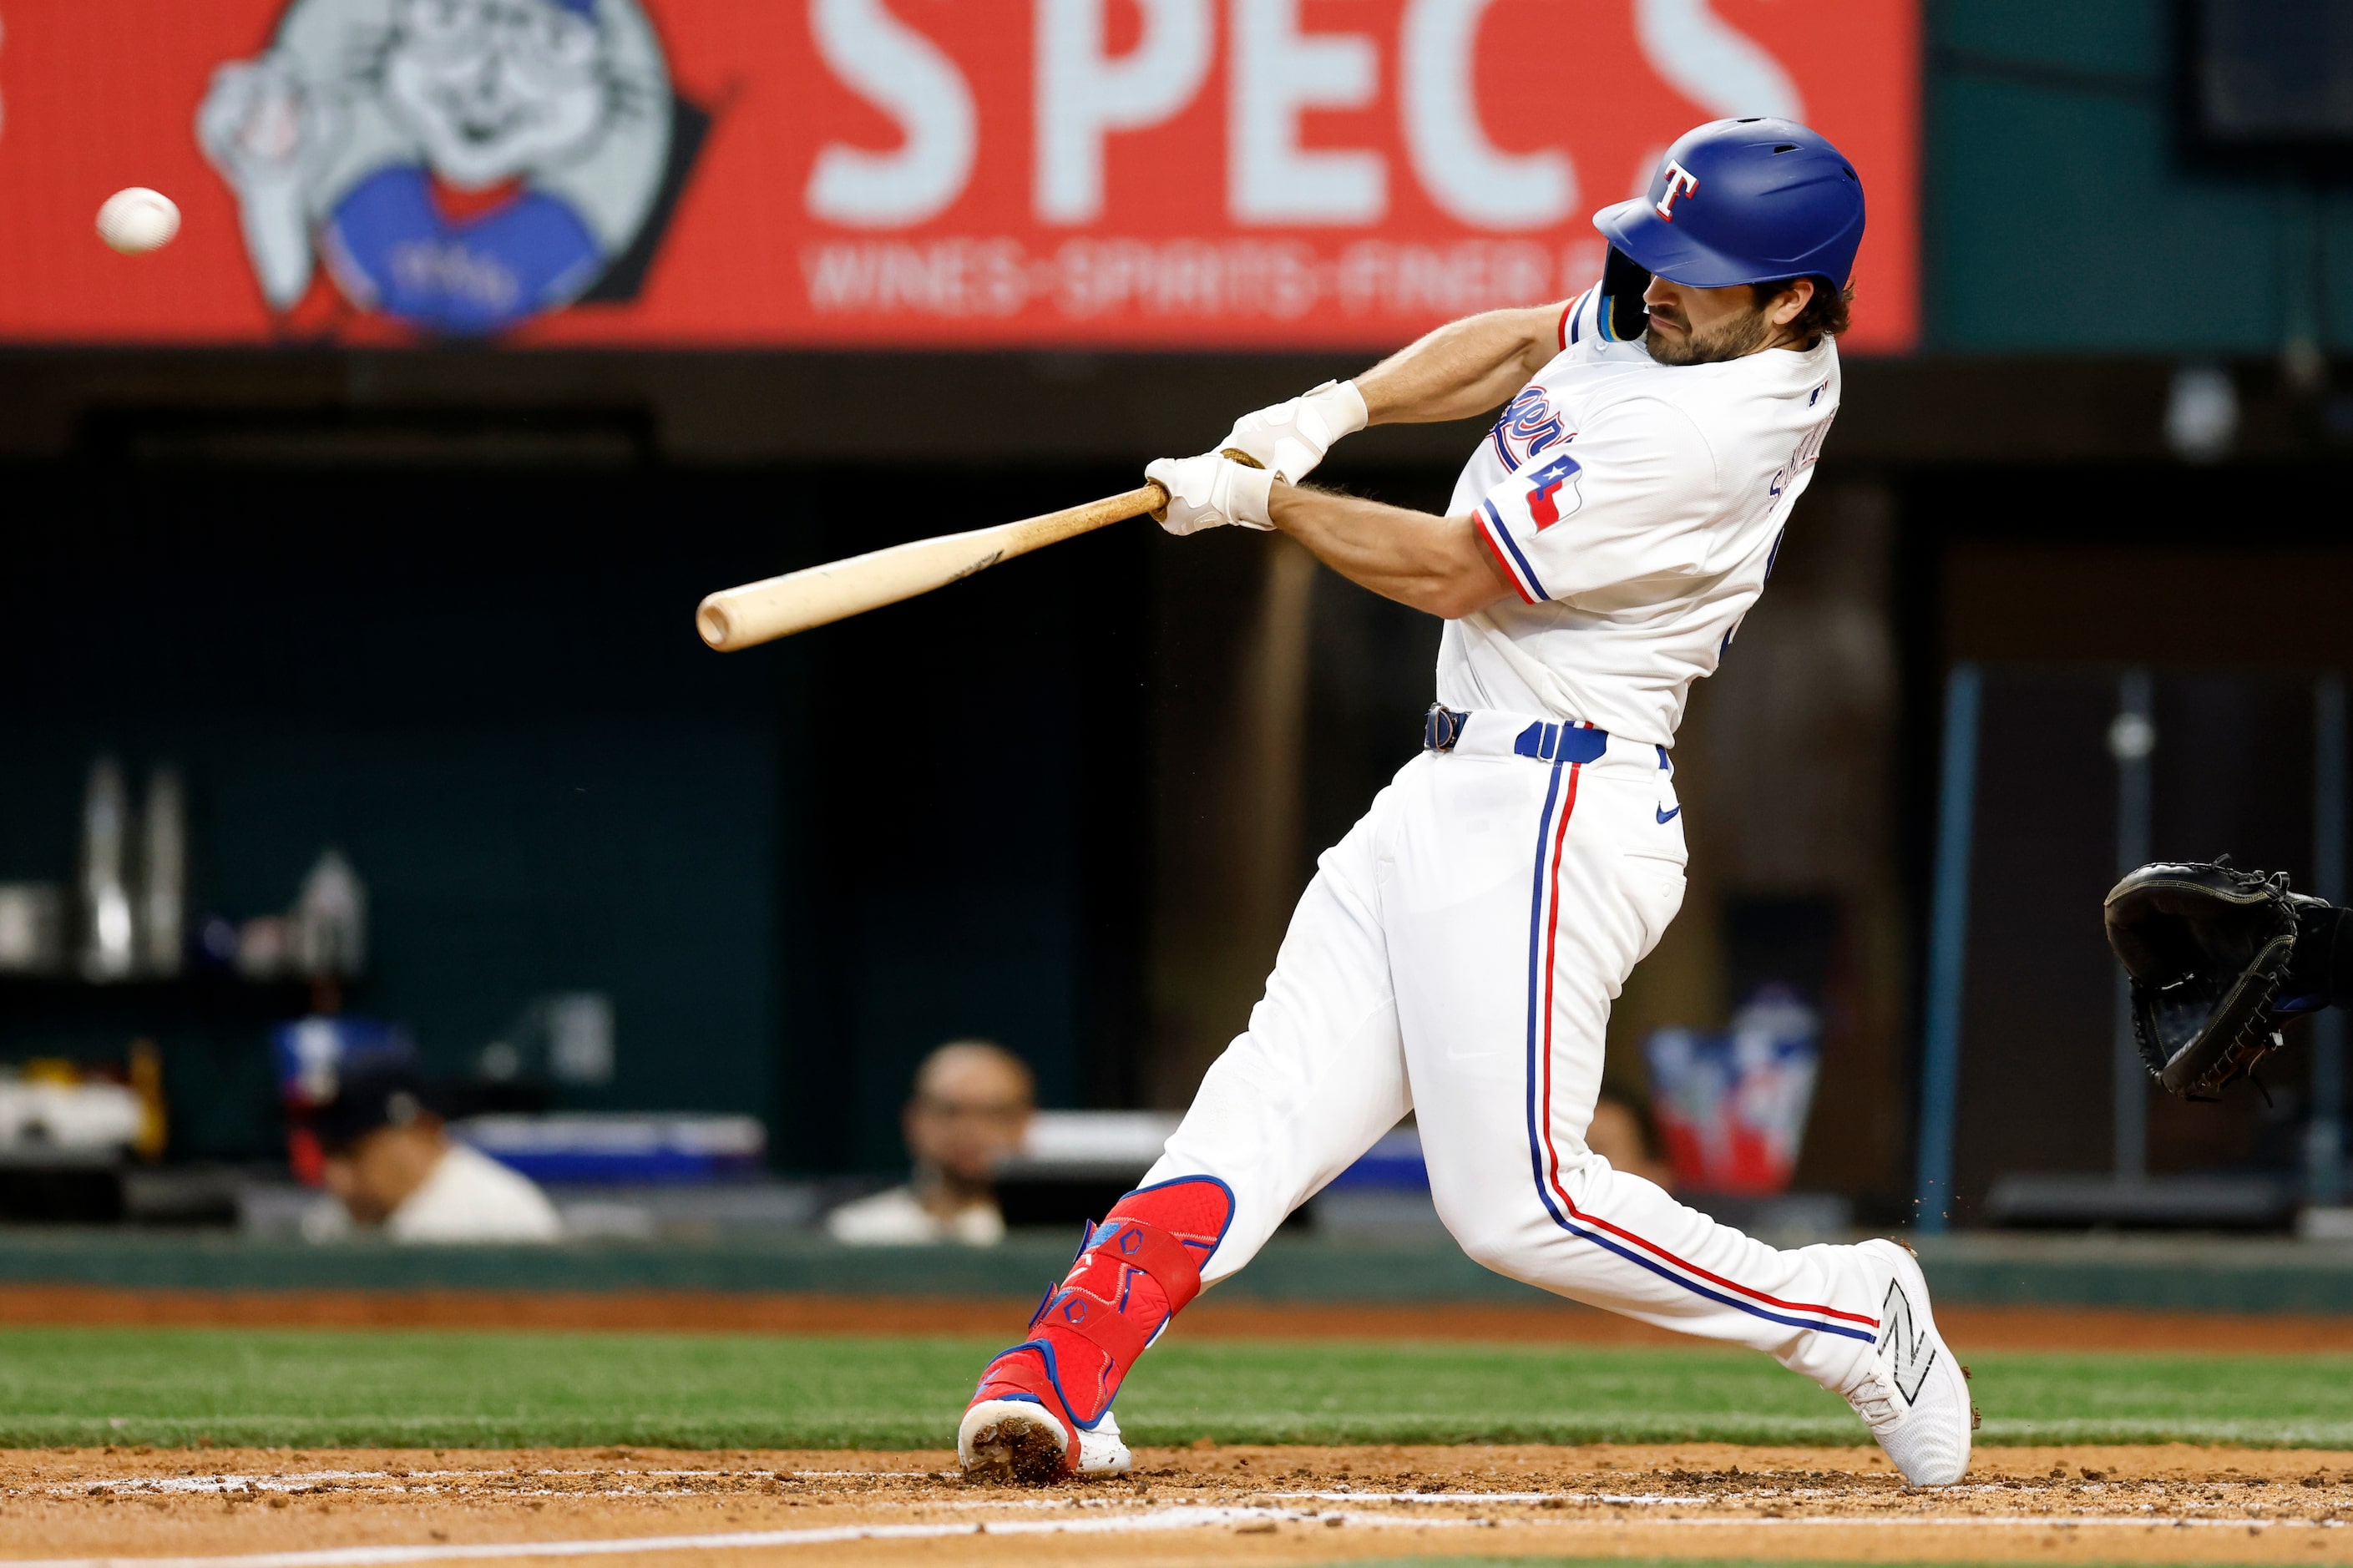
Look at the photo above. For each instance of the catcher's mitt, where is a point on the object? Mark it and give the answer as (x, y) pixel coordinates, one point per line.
(2207, 947)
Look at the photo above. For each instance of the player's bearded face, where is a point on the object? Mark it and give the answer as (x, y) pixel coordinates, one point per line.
(1704, 326)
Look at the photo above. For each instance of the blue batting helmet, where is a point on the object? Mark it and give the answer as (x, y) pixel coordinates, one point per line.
(1744, 201)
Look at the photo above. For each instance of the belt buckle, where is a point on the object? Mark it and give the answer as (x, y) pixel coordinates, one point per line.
(1441, 727)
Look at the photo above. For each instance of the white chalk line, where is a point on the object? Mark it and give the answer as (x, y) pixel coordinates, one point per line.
(1181, 1517)
(1186, 1516)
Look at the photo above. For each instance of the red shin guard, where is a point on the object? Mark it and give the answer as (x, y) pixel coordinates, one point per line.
(1134, 1272)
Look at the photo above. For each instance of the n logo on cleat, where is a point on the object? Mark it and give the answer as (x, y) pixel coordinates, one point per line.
(1909, 1354)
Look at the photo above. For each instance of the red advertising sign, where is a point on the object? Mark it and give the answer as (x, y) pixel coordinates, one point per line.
(1146, 173)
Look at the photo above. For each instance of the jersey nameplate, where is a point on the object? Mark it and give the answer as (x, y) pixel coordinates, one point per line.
(1529, 424)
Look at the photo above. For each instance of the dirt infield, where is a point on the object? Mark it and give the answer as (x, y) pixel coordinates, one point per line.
(1242, 1505)
(1977, 1328)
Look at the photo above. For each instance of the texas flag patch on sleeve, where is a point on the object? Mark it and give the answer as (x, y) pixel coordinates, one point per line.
(1519, 510)
(1552, 490)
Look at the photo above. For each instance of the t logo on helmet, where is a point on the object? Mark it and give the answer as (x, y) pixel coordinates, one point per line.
(1681, 182)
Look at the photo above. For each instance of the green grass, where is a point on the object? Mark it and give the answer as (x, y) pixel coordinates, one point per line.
(306, 1388)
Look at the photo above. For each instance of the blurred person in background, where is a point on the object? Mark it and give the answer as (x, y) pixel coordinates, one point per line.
(391, 1162)
(1624, 1133)
(971, 1109)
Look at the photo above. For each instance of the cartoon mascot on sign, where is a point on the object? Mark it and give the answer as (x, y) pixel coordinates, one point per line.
(459, 165)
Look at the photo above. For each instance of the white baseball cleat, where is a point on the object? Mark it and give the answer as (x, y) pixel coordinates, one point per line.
(1916, 1396)
(1002, 1442)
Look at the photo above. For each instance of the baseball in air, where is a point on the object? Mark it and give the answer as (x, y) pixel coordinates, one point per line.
(138, 220)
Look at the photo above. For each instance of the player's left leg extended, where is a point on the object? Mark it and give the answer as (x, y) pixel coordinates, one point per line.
(1042, 1410)
(1298, 1095)
(1524, 892)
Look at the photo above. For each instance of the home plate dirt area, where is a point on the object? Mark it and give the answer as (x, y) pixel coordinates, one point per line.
(349, 1509)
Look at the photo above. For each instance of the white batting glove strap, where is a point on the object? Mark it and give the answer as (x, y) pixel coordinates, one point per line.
(1291, 439)
(1209, 491)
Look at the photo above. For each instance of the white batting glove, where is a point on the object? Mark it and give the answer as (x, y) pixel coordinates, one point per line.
(1209, 491)
(1291, 439)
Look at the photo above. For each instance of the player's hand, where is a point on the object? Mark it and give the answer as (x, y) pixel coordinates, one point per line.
(1209, 491)
(1289, 438)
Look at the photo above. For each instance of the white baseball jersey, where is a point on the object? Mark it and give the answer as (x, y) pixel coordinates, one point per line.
(470, 1197)
(1635, 507)
(1458, 953)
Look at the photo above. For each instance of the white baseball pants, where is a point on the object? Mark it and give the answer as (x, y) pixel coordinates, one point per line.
(1456, 956)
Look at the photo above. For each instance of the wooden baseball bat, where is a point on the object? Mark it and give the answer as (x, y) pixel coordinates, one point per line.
(780, 607)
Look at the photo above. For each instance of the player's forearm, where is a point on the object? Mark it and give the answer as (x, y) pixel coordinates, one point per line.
(1462, 369)
(1434, 563)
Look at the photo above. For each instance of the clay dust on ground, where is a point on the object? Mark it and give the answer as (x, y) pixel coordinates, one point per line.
(1203, 1505)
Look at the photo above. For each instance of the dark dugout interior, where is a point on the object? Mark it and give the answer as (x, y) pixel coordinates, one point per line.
(435, 608)
(794, 868)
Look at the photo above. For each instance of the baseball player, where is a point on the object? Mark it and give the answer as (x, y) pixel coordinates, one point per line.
(1457, 952)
